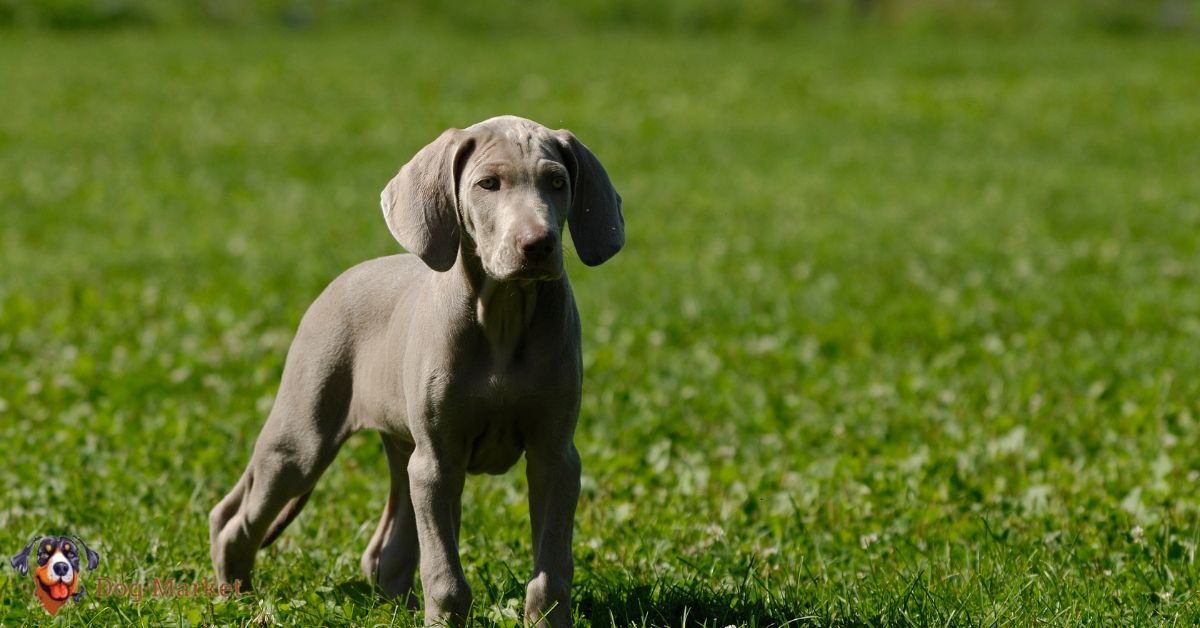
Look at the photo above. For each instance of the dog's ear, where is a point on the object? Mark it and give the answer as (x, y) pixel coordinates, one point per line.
(596, 223)
(93, 559)
(20, 562)
(420, 204)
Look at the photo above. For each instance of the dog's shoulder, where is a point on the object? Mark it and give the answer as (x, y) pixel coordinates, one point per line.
(364, 297)
(381, 275)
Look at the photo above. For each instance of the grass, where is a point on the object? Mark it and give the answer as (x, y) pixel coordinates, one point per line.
(905, 331)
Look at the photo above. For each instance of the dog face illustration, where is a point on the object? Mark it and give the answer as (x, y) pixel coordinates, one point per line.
(58, 568)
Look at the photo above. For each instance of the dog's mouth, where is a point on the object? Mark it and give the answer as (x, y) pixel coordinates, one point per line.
(536, 273)
(530, 272)
(510, 265)
(58, 591)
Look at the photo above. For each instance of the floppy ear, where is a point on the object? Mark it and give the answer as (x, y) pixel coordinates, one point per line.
(420, 204)
(93, 559)
(20, 562)
(595, 219)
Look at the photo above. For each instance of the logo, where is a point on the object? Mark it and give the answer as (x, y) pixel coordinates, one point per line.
(57, 573)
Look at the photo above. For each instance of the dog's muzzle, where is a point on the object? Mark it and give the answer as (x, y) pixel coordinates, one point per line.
(60, 570)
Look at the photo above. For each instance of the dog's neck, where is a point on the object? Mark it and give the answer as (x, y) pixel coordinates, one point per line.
(501, 310)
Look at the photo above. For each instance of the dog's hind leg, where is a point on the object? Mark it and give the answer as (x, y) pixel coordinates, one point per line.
(391, 557)
(304, 432)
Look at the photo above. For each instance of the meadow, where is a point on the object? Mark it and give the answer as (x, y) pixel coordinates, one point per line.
(905, 331)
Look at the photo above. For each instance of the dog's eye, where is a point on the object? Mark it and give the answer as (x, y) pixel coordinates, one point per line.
(489, 183)
(559, 183)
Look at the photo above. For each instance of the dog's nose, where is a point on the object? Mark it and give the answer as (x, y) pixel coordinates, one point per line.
(61, 569)
(537, 245)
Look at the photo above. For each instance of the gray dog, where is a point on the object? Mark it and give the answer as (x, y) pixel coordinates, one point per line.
(462, 356)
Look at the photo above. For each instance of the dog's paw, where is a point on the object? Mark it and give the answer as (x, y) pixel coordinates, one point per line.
(548, 602)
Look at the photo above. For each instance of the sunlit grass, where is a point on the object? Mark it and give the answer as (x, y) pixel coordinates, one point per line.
(905, 330)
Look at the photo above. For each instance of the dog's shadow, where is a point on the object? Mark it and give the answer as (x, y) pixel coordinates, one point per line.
(676, 603)
(636, 603)
(360, 592)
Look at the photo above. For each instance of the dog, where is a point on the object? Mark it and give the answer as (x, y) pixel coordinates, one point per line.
(463, 354)
(57, 573)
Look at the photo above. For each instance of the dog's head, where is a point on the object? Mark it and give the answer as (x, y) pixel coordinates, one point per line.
(502, 190)
(58, 567)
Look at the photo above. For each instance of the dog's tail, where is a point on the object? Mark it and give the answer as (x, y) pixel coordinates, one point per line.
(289, 512)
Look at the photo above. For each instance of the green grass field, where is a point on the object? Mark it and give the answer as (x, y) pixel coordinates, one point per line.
(905, 331)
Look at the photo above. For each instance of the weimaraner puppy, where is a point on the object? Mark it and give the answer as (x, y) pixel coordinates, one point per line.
(462, 355)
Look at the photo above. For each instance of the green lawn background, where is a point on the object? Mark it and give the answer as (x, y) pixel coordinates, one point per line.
(905, 330)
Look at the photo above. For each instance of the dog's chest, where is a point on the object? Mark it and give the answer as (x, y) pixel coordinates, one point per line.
(500, 408)
(516, 370)
(496, 443)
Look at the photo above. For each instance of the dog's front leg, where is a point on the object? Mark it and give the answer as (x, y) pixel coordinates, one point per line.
(553, 493)
(436, 474)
